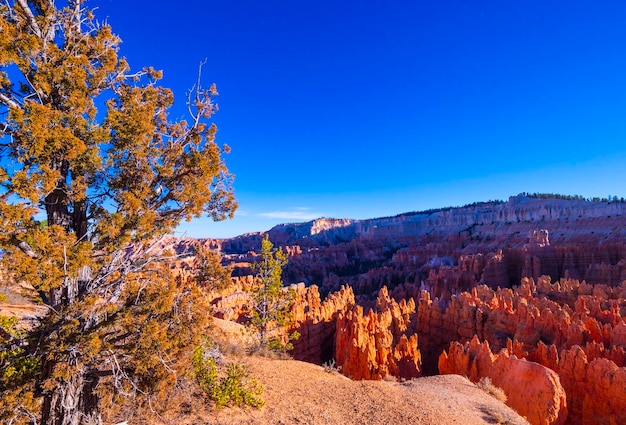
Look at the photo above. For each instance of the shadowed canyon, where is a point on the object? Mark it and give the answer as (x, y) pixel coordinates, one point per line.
(530, 293)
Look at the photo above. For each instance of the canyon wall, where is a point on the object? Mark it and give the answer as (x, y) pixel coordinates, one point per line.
(561, 347)
(399, 291)
(378, 343)
(447, 251)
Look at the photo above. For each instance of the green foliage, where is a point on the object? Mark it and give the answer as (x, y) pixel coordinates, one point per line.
(610, 199)
(270, 308)
(14, 365)
(231, 387)
(236, 388)
(4, 298)
(436, 210)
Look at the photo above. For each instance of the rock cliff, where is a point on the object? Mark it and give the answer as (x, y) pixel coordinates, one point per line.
(533, 390)
(378, 343)
(316, 321)
(573, 328)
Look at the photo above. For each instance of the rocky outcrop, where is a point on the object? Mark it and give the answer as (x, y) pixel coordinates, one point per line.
(533, 390)
(573, 328)
(378, 343)
(599, 385)
(452, 262)
(230, 303)
(316, 322)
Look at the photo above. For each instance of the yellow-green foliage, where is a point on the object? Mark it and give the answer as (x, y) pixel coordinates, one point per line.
(209, 272)
(18, 371)
(133, 174)
(270, 308)
(3, 298)
(228, 387)
(91, 144)
(59, 255)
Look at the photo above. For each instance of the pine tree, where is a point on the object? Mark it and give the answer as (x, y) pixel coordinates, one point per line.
(271, 302)
(90, 145)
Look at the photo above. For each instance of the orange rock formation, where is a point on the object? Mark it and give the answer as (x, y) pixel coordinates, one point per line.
(533, 390)
(583, 344)
(376, 344)
(316, 322)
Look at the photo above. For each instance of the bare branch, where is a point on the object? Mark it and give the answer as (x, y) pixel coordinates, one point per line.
(25, 247)
(5, 130)
(195, 91)
(76, 13)
(31, 17)
(8, 101)
(119, 375)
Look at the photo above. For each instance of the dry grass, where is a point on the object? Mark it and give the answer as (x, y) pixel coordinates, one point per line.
(487, 386)
(297, 392)
(390, 378)
(493, 415)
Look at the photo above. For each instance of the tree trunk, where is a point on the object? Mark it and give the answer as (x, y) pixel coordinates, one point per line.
(79, 223)
(56, 202)
(57, 210)
(71, 402)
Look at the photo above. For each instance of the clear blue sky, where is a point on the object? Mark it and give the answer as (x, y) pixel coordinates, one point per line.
(363, 108)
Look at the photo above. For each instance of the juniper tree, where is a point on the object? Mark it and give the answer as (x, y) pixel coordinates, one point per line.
(208, 270)
(92, 170)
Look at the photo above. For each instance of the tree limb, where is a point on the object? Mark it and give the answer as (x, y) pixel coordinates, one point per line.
(8, 101)
(30, 16)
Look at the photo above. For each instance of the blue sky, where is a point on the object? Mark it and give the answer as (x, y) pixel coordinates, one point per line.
(368, 108)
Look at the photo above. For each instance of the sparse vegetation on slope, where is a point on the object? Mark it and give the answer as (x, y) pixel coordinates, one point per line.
(224, 384)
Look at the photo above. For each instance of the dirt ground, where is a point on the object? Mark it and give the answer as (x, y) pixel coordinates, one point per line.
(302, 393)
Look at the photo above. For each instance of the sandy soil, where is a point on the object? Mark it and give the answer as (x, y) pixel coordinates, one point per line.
(302, 393)
(19, 304)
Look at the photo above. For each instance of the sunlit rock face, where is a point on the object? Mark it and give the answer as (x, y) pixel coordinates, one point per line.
(575, 329)
(533, 390)
(316, 322)
(380, 342)
(447, 251)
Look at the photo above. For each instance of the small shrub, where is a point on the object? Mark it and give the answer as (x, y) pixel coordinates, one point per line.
(18, 369)
(235, 388)
(487, 386)
(263, 350)
(4, 298)
(331, 367)
(224, 387)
